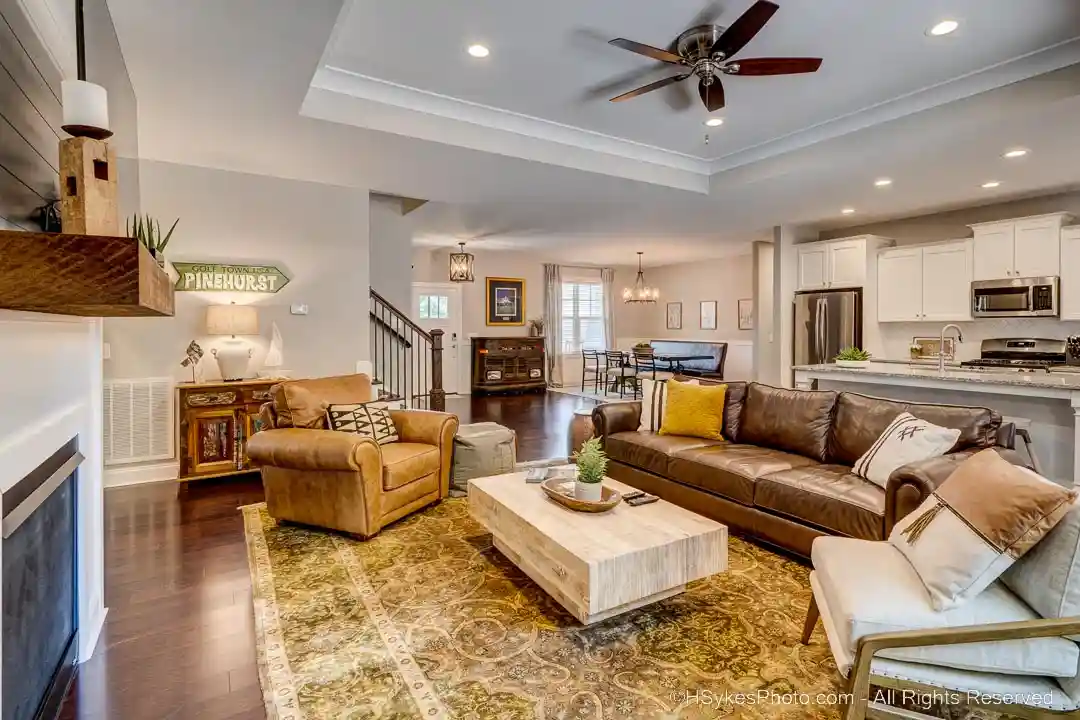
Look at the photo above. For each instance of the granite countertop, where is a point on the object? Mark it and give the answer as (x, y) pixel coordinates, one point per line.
(909, 371)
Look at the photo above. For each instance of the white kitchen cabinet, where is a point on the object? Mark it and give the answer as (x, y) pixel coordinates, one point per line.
(813, 266)
(1037, 250)
(847, 263)
(900, 277)
(925, 283)
(1024, 247)
(836, 264)
(946, 281)
(1070, 273)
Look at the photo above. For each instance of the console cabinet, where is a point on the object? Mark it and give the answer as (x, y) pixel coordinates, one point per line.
(215, 422)
(508, 364)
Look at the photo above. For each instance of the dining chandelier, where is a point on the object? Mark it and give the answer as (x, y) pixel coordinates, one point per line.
(641, 292)
(461, 265)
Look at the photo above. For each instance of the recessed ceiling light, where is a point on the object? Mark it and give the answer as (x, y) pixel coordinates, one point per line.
(848, 211)
(714, 122)
(479, 51)
(883, 182)
(944, 27)
(1017, 153)
(992, 184)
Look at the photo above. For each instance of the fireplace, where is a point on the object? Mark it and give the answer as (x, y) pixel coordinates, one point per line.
(40, 587)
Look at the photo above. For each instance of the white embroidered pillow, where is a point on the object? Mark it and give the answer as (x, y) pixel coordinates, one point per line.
(907, 439)
(370, 419)
(977, 524)
(654, 403)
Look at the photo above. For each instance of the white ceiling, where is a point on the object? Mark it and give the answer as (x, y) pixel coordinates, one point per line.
(222, 85)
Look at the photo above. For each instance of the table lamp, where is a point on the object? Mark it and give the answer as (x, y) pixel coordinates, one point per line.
(232, 320)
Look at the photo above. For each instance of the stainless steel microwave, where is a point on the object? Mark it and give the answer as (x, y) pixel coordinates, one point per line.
(1018, 297)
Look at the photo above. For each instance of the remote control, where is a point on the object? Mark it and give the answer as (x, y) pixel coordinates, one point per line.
(631, 495)
(536, 475)
(644, 500)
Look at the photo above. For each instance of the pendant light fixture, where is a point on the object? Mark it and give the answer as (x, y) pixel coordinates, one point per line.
(461, 265)
(85, 104)
(641, 292)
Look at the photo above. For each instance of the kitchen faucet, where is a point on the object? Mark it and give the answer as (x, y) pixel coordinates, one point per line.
(941, 345)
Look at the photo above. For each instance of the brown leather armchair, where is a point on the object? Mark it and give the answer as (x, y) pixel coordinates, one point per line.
(343, 481)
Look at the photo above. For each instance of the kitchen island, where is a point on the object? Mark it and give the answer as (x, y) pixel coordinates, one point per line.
(1051, 401)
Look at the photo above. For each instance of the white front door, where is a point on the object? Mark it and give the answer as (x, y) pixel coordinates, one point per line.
(437, 306)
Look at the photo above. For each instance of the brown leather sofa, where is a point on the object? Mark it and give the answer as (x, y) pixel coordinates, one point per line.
(784, 476)
(339, 480)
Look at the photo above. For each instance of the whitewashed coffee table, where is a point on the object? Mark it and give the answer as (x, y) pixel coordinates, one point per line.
(598, 565)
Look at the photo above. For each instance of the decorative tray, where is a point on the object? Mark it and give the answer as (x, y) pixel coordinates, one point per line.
(561, 491)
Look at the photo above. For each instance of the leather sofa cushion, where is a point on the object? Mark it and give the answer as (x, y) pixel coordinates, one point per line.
(730, 470)
(828, 496)
(405, 462)
(734, 401)
(871, 588)
(797, 421)
(302, 403)
(650, 451)
(860, 420)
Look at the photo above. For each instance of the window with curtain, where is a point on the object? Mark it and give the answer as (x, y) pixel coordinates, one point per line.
(582, 316)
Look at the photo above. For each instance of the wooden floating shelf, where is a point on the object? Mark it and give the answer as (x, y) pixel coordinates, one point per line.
(85, 275)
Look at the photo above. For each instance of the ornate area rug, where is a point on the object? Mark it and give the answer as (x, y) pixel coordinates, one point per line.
(428, 620)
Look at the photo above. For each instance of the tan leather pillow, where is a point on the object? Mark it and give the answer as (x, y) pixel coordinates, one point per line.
(303, 403)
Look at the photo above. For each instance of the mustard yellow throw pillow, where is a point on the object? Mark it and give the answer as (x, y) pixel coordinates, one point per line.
(694, 410)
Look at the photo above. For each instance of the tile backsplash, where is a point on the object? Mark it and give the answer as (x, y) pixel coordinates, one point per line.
(896, 337)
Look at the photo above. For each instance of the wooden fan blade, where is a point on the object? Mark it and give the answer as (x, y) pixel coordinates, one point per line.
(774, 66)
(650, 87)
(745, 28)
(647, 50)
(712, 95)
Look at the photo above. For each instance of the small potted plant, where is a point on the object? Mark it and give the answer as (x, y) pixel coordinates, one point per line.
(643, 348)
(591, 465)
(148, 232)
(916, 351)
(536, 327)
(853, 357)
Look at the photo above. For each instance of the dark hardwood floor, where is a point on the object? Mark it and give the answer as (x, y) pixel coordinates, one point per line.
(179, 638)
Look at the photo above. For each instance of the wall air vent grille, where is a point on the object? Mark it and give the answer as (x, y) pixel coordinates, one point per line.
(138, 420)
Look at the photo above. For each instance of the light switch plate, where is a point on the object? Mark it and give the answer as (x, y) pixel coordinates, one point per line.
(299, 309)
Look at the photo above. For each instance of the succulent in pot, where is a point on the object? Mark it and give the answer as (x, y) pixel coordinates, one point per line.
(853, 357)
(591, 465)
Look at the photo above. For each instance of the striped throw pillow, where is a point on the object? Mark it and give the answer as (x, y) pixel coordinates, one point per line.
(907, 439)
(370, 419)
(654, 403)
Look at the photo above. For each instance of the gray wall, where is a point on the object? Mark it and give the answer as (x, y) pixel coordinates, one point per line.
(391, 252)
(317, 234)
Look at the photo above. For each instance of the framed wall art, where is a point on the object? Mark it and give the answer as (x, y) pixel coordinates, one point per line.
(746, 314)
(505, 301)
(674, 316)
(708, 315)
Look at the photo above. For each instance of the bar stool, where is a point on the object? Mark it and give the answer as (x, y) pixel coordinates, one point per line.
(1023, 431)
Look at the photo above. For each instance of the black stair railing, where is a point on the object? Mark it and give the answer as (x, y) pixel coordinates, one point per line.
(406, 359)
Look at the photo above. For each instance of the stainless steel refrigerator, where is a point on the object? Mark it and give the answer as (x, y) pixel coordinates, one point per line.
(825, 324)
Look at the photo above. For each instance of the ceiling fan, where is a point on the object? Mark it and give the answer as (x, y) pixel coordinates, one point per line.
(706, 51)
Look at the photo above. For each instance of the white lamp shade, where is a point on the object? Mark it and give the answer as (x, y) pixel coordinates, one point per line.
(232, 320)
(85, 104)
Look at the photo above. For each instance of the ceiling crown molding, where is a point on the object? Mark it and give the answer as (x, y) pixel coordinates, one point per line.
(343, 96)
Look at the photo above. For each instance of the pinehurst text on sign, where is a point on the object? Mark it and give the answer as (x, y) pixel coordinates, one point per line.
(213, 277)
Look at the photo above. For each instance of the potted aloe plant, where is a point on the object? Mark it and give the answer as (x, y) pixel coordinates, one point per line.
(591, 464)
(853, 357)
(148, 232)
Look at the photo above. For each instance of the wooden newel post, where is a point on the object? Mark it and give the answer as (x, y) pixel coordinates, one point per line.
(438, 395)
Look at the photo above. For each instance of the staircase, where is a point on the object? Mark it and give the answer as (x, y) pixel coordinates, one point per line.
(406, 359)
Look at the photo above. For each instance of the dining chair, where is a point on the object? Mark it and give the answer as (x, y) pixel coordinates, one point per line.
(619, 373)
(646, 365)
(590, 365)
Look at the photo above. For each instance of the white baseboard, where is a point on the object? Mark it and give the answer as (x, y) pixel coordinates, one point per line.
(119, 476)
(89, 635)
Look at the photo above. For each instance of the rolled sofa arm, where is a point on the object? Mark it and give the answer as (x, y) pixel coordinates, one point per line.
(301, 449)
(425, 426)
(616, 417)
(909, 485)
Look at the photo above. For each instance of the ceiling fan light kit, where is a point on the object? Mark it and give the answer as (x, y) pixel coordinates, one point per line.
(705, 51)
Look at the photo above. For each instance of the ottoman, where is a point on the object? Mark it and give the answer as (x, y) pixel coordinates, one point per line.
(481, 450)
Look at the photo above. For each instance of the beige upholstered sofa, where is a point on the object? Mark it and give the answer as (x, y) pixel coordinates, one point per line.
(343, 481)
